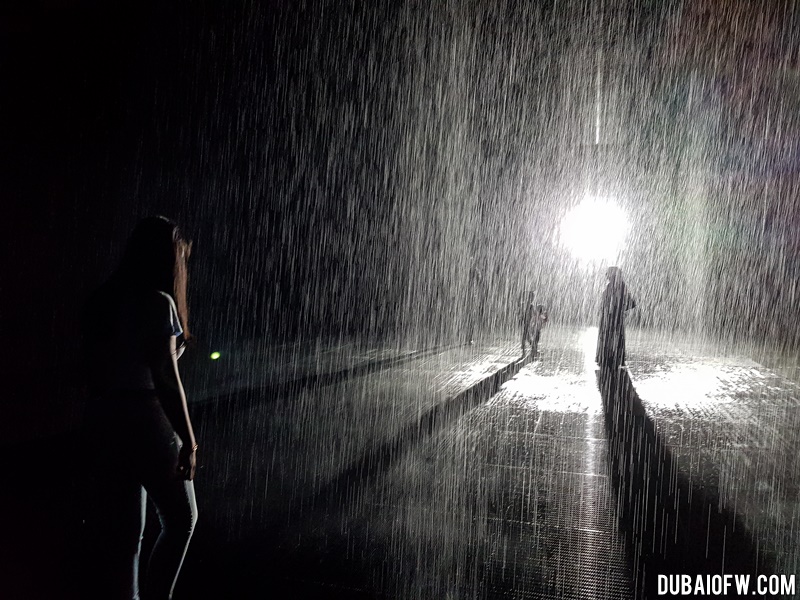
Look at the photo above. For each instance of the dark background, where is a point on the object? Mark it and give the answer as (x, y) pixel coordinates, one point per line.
(391, 169)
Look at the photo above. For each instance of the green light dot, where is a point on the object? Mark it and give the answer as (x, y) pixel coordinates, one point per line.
(215, 355)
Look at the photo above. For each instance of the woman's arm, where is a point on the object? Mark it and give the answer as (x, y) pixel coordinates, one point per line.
(164, 366)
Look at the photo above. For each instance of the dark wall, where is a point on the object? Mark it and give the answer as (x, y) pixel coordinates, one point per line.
(65, 68)
(385, 169)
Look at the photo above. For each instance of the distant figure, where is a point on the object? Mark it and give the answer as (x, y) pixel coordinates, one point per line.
(475, 307)
(139, 437)
(611, 337)
(533, 319)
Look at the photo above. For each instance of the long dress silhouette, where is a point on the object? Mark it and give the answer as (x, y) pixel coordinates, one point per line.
(611, 337)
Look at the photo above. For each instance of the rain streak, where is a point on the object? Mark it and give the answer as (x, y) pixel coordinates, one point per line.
(489, 299)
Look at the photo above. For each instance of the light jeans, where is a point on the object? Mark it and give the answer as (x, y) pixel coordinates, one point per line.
(133, 452)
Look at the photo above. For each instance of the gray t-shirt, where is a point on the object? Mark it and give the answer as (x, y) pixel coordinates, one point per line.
(135, 323)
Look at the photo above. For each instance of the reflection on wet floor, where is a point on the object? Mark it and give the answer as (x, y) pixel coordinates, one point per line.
(546, 489)
(733, 428)
(512, 500)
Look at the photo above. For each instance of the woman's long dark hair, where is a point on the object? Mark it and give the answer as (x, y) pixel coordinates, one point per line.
(155, 259)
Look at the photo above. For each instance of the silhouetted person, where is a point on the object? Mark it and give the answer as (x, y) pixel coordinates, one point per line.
(139, 436)
(475, 307)
(611, 337)
(539, 319)
(533, 319)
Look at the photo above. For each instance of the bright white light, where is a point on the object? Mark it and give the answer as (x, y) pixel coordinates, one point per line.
(595, 230)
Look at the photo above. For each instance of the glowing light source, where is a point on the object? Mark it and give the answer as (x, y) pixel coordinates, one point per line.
(215, 356)
(595, 230)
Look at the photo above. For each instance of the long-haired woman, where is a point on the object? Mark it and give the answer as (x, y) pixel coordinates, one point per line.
(139, 434)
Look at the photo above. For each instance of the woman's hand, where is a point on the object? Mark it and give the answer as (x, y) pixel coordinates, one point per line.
(187, 461)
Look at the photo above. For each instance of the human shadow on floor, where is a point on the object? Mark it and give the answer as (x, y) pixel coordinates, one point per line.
(671, 525)
(275, 557)
(380, 458)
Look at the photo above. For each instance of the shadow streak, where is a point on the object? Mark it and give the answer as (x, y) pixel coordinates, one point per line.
(379, 459)
(672, 525)
(271, 559)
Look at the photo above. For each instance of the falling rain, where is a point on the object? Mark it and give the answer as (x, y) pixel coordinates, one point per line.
(488, 299)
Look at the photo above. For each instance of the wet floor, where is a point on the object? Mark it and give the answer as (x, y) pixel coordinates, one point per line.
(562, 484)
(276, 455)
(505, 496)
(733, 427)
(425, 478)
(510, 501)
